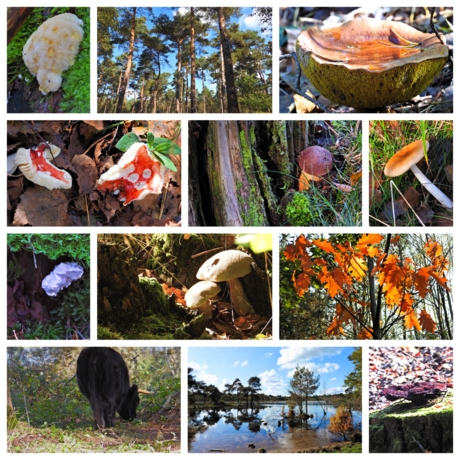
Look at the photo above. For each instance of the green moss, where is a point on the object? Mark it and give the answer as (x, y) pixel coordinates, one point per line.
(298, 211)
(155, 298)
(104, 333)
(254, 205)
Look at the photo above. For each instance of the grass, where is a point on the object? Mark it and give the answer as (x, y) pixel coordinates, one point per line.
(326, 205)
(75, 81)
(386, 138)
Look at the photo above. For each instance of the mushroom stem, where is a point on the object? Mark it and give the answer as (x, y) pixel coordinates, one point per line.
(240, 302)
(443, 199)
(206, 309)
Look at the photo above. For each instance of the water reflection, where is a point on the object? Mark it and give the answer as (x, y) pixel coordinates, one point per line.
(232, 429)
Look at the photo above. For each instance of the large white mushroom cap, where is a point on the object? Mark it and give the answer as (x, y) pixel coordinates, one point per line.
(225, 266)
(35, 164)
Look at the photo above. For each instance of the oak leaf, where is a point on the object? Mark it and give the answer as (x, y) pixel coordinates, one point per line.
(427, 321)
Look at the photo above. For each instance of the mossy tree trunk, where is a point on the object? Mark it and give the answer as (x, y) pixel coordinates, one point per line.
(241, 170)
(119, 295)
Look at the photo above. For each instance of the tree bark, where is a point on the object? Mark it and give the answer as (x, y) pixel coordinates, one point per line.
(222, 72)
(124, 86)
(179, 75)
(15, 20)
(232, 99)
(193, 66)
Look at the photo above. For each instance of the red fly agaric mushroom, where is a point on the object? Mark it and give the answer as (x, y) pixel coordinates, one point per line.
(199, 295)
(369, 63)
(314, 162)
(407, 158)
(229, 266)
(35, 164)
(135, 176)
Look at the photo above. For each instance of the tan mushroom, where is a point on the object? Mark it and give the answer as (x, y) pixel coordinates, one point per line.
(314, 163)
(199, 295)
(229, 266)
(35, 164)
(368, 63)
(407, 158)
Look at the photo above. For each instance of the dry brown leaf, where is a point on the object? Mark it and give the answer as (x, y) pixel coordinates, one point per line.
(450, 174)
(87, 173)
(355, 177)
(96, 124)
(13, 146)
(303, 105)
(425, 213)
(413, 198)
(41, 207)
(17, 126)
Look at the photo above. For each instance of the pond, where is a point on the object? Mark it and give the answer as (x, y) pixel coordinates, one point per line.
(233, 429)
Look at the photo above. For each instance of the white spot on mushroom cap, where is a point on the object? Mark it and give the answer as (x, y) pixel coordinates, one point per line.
(147, 173)
(225, 266)
(133, 177)
(140, 185)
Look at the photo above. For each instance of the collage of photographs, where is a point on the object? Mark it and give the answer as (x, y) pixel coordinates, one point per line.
(128, 333)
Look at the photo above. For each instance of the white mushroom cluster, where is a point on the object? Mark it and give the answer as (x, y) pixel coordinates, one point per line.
(225, 266)
(61, 277)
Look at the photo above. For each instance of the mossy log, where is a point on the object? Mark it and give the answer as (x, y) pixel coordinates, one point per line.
(240, 170)
(400, 428)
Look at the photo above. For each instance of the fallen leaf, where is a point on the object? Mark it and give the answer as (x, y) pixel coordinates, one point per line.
(242, 323)
(303, 105)
(450, 173)
(17, 126)
(425, 213)
(444, 220)
(41, 207)
(87, 173)
(75, 146)
(13, 146)
(355, 177)
(375, 197)
(96, 124)
(412, 197)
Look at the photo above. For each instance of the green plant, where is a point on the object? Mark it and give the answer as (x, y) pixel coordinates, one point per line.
(53, 245)
(158, 147)
(14, 270)
(298, 210)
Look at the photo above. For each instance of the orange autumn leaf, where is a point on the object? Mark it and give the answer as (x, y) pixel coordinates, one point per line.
(365, 334)
(395, 240)
(357, 268)
(335, 328)
(407, 302)
(411, 320)
(354, 179)
(290, 252)
(440, 279)
(324, 245)
(341, 278)
(427, 321)
(370, 238)
(421, 279)
(329, 282)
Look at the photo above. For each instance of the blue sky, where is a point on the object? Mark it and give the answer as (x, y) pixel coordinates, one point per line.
(275, 366)
(245, 21)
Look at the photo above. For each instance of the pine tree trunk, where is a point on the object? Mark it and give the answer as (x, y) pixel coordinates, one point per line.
(232, 99)
(222, 72)
(186, 90)
(141, 109)
(124, 86)
(179, 74)
(193, 67)
(204, 95)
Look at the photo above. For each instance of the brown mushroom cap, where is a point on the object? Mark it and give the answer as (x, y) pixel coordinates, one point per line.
(403, 160)
(225, 266)
(200, 292)
(315, 162)
(371, 44)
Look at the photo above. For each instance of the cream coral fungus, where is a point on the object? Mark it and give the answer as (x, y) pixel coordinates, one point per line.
(52, 48)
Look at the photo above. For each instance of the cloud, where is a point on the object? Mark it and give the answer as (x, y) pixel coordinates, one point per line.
(268, 354)
(317, 368)
(332, 379)
(245, 363)
(236, 363)
(194, 366)
(293, 356)
(201, 374)
(182, 11)
(335, 390)
(272, 383)
(251, 22)
(222, 385)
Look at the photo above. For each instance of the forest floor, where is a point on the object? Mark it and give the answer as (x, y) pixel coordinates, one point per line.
(161, 433)
(437, 98)
(87, 151)
(397, 365)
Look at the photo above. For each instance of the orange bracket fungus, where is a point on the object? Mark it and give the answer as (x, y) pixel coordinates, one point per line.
(314, 162)
(52, 49)
(407, 158)
(369, 63)
(229, 266)
(35, 164)
(135, 176)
